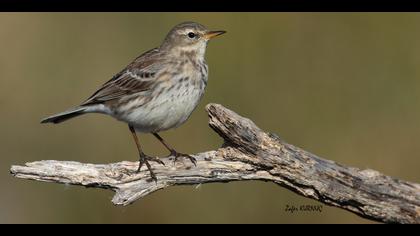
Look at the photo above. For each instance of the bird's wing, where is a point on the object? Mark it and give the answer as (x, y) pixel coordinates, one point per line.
(138, 76)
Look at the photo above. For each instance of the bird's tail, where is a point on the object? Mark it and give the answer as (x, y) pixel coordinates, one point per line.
(63, 116)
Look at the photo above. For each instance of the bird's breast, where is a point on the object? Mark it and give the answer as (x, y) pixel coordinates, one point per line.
(171, 103)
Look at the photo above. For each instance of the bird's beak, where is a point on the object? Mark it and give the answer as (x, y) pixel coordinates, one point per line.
(212, 34)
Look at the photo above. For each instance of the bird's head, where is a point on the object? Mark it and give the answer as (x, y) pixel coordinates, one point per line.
(189, 37)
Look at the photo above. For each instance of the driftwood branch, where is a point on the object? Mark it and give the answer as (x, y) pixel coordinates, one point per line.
(248, 153)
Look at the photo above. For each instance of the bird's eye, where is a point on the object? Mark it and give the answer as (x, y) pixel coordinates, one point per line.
(191, 35)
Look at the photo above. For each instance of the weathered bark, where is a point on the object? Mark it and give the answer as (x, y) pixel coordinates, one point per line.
(248, 153)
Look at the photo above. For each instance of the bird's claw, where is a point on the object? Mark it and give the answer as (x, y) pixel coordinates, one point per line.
(144, 159)
(176, 155)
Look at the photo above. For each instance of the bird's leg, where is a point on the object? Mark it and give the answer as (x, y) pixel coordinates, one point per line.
(174, 152)
(143, 157)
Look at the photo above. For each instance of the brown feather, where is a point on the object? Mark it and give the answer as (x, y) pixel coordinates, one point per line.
(137, 77)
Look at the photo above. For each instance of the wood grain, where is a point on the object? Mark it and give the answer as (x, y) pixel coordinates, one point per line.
(248, 153)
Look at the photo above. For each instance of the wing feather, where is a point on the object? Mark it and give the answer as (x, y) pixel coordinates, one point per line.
(137, 77)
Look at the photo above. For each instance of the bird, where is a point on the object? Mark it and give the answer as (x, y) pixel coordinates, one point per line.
(157, 91)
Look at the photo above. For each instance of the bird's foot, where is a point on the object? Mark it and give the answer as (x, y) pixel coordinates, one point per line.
(176, 155)
(144, 159)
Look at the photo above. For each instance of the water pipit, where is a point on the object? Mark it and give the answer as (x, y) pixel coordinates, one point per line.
(157, 91)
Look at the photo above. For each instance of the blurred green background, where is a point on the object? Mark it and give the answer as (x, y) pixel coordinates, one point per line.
(344, 86)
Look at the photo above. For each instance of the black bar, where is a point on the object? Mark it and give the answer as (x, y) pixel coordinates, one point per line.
(209, 5)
